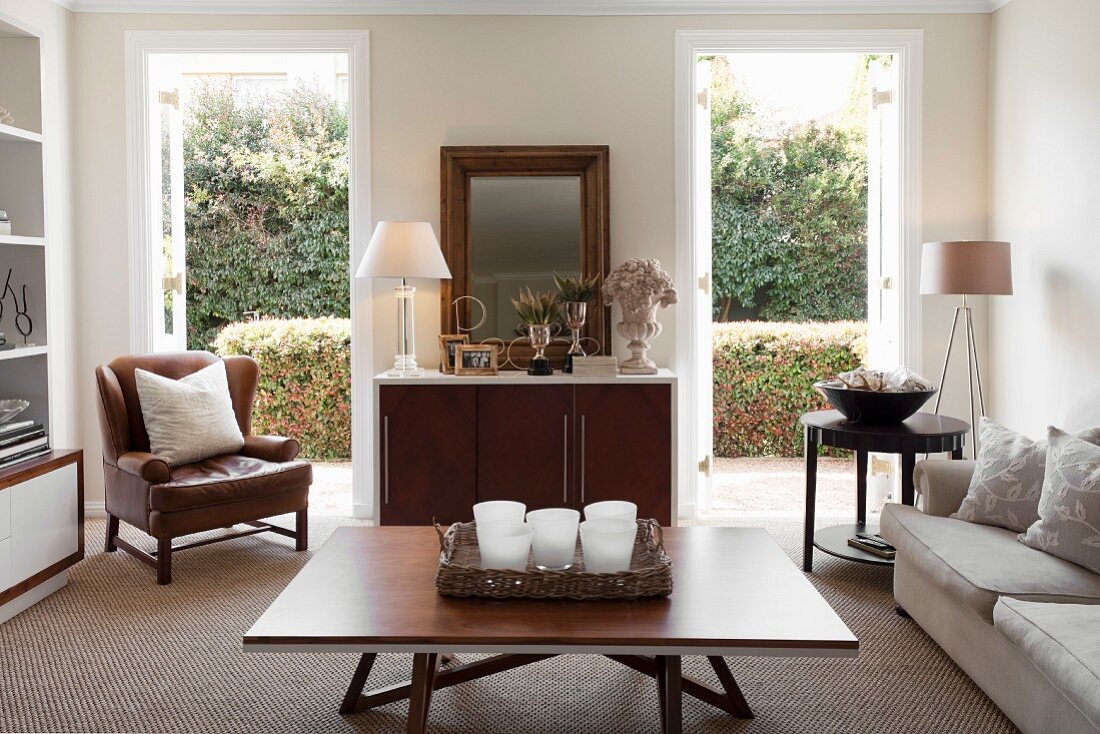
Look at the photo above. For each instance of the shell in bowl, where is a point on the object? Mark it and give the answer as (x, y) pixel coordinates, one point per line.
(11, 408)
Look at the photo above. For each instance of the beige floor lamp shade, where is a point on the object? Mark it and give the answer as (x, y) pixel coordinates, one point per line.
(404, 250)
(966, 268)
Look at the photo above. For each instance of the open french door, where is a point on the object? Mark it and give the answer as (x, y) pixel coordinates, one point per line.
(167, 236)
(703, 306)
(883, 220)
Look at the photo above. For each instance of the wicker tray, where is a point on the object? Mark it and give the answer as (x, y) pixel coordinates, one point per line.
(460, 572)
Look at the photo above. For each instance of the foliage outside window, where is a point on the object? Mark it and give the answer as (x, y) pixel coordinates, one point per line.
(266, 208)
(789, 206)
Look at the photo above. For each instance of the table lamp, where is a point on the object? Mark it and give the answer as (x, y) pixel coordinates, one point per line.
(966, 268)
(404, 250)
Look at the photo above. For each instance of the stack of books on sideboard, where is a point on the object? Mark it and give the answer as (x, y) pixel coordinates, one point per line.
(21, 441)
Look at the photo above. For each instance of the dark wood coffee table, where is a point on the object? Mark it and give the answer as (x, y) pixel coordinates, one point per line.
(370, 590)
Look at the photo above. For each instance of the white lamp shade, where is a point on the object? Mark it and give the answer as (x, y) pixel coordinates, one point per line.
(966, 267)
(403, 250)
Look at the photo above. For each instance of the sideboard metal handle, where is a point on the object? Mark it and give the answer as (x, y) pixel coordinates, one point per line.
(386, 457)
(565, 459)
(582, 459)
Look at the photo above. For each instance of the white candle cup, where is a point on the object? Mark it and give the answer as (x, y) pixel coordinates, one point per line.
(608, 544)
(554, 537)
(485, 512)
(504, 544)
(612, 510)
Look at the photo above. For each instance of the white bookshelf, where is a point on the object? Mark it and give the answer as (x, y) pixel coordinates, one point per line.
(41, 503)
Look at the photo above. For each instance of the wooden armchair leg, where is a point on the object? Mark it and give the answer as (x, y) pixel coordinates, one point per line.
(301, 530)
(112, 533)
(164, 561)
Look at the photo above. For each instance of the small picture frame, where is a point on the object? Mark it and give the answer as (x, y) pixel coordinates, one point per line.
(448, 343)
(475, 359)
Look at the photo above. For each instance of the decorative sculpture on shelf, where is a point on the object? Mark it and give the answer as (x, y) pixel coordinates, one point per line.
(23, 323)
(575, 294)
(640, 286)
(5, 117)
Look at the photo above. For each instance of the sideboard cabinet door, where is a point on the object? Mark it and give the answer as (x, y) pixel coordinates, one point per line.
(428, 449)
(524, 442)
(624, 439)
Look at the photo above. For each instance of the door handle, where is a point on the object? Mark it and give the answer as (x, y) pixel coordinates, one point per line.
(582, 459)
(565, 459)
(386, 458)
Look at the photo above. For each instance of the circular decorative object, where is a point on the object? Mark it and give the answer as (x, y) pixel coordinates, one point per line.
(874, 408)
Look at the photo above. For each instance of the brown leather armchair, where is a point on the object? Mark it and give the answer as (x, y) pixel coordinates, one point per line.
(261, 481)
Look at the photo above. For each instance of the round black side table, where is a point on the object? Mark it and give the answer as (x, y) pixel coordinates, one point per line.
(924, 433)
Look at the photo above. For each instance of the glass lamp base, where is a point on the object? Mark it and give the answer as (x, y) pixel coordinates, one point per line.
(404, 365)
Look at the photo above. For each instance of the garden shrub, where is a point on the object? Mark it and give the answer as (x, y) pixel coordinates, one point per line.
(265, 208)
(789, 208)
(763, 381)
(305, 380)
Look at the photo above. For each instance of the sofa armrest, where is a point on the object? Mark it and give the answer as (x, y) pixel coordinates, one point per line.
(150, 467)
(270, 448)
(942, 484)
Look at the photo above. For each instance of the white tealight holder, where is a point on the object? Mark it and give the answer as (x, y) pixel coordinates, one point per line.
(554, 537)
(504, 544)
(612, 509)
(608, 544)
(494, 510)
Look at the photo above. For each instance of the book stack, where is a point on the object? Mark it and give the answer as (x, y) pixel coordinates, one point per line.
(21, 441)
(595, 366)
(874, 544)
(4, 343)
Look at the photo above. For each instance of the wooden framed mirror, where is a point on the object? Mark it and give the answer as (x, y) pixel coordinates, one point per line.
(512, 216)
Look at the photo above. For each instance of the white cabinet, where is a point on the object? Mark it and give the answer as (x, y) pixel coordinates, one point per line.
(5, 563)
(45, 514)
(5, 520)
(41, 528)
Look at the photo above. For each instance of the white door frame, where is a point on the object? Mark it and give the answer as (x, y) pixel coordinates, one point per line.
(139, 45)
(907, 46)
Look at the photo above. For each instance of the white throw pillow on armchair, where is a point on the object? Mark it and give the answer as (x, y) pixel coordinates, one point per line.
(189, 419)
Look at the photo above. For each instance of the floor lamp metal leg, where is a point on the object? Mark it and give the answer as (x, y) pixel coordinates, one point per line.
(947, 358)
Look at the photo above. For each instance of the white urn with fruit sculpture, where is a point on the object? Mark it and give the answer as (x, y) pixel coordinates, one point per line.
(640, 287)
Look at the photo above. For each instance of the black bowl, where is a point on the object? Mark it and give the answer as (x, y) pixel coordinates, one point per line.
(874, 408)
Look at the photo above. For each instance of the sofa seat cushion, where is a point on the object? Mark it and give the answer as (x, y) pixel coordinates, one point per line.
(976, 564)
(1062, 642)
(227, 479)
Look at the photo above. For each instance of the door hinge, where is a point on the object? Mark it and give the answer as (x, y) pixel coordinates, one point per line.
(172, 98)
(702, 98)
(172, 283)
(886, 282)
(705, 465)
(704, 282)
(879, 97)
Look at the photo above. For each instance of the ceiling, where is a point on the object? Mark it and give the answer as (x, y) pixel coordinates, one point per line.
(531, 7)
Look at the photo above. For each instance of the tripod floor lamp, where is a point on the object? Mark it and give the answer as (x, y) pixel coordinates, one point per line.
(966, 268)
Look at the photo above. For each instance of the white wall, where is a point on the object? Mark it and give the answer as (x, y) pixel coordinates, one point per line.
(54, 25)
(1045, 115)
(510, 80)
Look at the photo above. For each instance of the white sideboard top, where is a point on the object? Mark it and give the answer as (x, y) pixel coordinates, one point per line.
(519, 377)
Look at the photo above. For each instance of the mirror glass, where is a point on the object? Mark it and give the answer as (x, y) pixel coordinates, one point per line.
(522, 230)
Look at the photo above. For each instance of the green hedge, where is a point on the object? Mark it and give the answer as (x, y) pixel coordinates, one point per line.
(305, 380)
(763, 380)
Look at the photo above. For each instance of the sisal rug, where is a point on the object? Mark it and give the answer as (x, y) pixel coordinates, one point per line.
(113, 652)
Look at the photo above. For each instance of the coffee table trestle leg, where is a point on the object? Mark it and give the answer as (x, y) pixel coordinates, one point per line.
(669, 690)
(358, 680)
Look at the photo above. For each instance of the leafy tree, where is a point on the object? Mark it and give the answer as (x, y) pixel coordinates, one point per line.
(266, 209)
(789, 207)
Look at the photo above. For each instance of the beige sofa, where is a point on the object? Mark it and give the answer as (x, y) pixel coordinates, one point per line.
(1023, 624)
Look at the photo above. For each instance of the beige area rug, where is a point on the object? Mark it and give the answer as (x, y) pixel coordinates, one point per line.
(113, 652)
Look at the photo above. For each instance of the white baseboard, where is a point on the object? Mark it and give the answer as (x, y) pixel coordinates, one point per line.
(362, 511)
(95, 509)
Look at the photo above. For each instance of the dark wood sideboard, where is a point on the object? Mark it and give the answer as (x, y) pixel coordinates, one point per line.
(445, 443)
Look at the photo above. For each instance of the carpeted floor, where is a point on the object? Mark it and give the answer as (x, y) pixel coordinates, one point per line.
(114, 652)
